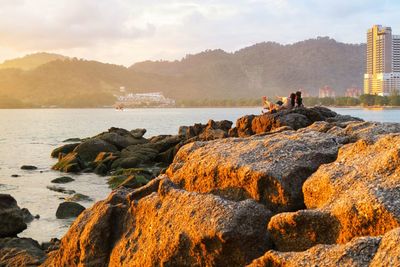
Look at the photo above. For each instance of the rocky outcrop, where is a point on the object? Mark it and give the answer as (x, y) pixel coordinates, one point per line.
(122, 149)
(11, 217)
(361, 251)
(269, 169)
(295, 118)
(20, 252)
(358, 194)
(160, 224)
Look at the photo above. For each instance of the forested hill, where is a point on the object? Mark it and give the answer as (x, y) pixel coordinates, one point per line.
(267, 68)
(262, 69)
(31, 61)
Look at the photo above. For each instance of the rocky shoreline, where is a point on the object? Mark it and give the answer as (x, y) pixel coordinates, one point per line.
(305, 187)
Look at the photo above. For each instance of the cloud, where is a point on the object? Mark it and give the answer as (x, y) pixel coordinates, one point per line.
(65, 24)
(125, 31)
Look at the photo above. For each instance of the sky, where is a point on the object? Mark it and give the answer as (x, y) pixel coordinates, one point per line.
(128, 31)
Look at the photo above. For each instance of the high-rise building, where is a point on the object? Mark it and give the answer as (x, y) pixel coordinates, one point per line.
(383, 61)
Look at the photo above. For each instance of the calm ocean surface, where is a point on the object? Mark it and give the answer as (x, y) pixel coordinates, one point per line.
(28, 136)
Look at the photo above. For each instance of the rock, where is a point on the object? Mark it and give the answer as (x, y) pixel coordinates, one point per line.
(359, 252)
(69, 209)
(295, 118)
(74, 139)
(130, 178)
(106, 159)
(243, 126)
(138, 133)
(53, 244)
(211, 130)
(15, 175)
(270, 169)
(117, 140)
(62, 180)
(224, 125)
(360, 189)
(69, 163)
(28, 167)
(88, 150)
(65, 149)
(169, 227)
(20, 252)
(11, 217)
(101, 169)
(388, 253)
(78, 197)
(298, 231)
(357, 195)
(27, 216)
(134, 181)
(211, 134)
(60, 189)
(369, 131)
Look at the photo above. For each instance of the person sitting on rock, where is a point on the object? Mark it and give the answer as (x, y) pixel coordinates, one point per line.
(268, 106)
(298, 100)
(287, 102)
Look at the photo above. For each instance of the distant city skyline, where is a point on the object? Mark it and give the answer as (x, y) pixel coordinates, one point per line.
(125, 32)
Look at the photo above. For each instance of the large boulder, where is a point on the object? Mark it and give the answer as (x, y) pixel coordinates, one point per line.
(361, 189)
(11, 217)
(357, 195)
(122, 138)
(69, 209)
(20, 252)
(359, 252)
(161, 225)
(70, 162)
(65, 149)
(88, 150)
(270, 169)
(388, 253)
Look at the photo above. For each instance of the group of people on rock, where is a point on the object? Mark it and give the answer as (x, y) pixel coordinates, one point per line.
(293, 101)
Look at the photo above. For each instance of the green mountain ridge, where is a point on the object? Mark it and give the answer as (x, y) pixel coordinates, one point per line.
(262, 69)
(31, 61)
